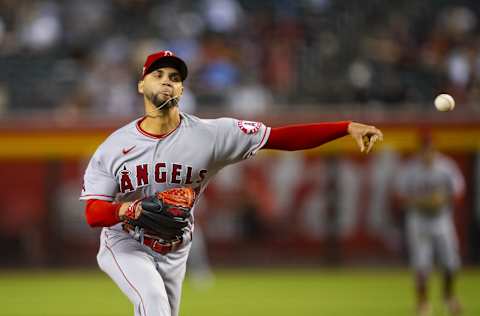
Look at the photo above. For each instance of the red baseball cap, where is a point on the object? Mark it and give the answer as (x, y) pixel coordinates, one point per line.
(164, 58)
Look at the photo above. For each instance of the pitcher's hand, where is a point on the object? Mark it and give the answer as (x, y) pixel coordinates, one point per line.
(365, 135)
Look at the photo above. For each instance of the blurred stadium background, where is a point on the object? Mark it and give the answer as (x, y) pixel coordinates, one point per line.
(68, 78)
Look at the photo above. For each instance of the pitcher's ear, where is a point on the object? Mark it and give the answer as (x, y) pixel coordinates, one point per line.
(140, 87)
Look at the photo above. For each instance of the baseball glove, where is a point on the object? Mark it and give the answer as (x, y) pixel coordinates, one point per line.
(163, 215)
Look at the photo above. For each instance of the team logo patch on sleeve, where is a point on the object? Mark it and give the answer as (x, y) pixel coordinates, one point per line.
(249, 127)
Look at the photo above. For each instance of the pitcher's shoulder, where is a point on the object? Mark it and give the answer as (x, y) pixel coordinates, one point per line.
(123, 135)
(192, 121)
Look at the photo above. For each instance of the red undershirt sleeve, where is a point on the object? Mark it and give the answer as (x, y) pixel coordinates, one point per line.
(101, 213)
(305, 136)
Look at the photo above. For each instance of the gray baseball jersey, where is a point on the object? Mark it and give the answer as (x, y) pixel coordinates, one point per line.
(132, 164)
(430, 231)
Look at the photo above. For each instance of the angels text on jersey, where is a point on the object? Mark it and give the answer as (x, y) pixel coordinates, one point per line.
(129, 179)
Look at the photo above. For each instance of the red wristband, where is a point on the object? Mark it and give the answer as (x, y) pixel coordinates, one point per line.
(101, 213)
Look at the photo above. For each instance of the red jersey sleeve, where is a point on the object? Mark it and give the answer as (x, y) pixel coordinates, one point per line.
(305, 136)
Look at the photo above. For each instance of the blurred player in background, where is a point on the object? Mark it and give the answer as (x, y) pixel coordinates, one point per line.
(428, 187)
(169, 149)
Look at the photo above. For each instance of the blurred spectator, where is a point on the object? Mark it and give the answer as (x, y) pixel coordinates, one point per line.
(459, 73)
(40, 27)
(249, 99)
(86, 20)
(223, 16)
(301, 51)
(360, 76)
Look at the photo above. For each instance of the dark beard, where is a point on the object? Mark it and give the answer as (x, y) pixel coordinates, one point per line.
(159, 103)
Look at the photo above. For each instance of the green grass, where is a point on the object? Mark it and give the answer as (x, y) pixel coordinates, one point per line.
(234, 292)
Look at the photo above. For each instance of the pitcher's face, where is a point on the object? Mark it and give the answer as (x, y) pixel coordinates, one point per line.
(161, 84)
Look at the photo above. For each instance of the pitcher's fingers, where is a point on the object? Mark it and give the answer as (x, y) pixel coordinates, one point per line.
(379, 134)
(372, 141)
(359, 140)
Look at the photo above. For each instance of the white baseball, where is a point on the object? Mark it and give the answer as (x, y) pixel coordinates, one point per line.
(444, 102)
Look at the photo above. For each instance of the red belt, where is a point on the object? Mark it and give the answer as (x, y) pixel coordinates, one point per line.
(156, 244)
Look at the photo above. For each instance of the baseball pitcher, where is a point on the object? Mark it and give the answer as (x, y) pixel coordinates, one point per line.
(144, 180)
